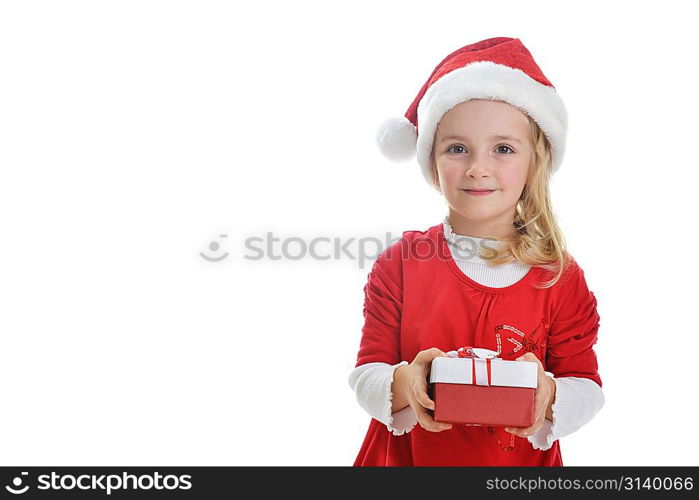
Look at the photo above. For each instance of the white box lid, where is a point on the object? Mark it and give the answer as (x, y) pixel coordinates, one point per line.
(502, 372)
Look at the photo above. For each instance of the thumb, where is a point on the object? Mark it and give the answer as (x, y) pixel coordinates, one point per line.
(435, 352)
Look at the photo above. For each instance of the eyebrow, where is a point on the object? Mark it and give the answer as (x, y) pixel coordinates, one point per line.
(499, 137)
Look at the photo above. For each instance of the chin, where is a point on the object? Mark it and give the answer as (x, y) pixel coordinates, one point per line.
(476, 215)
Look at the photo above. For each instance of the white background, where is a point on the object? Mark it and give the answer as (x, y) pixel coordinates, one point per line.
(134, 133)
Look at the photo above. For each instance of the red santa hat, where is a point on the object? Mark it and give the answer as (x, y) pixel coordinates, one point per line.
(498, 68)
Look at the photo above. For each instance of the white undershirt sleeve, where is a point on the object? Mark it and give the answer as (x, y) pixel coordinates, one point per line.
(577, 401)
(371, 383)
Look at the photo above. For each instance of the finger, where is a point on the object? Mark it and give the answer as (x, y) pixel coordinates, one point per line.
(518, 431)
(429, 354)
(528, 356)
(540, 404)
(417, 388)
(542, 395)
(522, 431)
(539, 415)
(422, 397)
(424, 418)
(526, 431)
(428, 423)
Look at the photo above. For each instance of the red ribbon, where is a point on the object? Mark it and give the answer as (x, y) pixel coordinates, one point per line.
(467, 352)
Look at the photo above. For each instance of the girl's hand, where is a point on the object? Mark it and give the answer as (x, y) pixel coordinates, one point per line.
(543, 400)
(412, 382)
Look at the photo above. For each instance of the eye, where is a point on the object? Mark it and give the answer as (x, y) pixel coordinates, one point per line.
(455, 146)
(505, 146)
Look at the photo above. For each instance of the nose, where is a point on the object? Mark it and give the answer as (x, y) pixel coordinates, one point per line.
(478, 168)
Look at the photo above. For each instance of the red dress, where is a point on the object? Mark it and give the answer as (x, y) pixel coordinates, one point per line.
(417, 298)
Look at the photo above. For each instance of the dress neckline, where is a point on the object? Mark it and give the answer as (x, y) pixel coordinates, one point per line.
(448, 258)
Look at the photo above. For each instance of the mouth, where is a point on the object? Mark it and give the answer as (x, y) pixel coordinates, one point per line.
(478, 192)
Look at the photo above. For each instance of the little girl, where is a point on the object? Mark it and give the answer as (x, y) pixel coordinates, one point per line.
(489, 131)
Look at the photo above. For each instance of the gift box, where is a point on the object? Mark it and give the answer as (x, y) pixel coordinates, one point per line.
(474, 386)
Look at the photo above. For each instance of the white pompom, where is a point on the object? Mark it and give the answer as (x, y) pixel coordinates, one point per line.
(397, 139)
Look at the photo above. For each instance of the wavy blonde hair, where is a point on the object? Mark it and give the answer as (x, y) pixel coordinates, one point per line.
(537, 240)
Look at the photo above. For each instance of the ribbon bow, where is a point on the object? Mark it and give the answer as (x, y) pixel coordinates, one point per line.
(473, 352)
(482, 358)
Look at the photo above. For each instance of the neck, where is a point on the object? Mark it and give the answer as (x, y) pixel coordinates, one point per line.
(475, 229)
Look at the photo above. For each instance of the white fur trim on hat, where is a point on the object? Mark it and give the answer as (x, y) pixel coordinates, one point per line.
(488, 80)
(396, 138)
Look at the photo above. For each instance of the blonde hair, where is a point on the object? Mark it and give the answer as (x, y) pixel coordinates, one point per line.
(537, 240)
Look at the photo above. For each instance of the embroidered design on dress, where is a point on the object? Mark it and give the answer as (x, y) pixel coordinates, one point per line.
(525, 343)
(509, 447)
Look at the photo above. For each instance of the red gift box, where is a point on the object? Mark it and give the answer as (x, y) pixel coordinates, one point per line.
(472, 386)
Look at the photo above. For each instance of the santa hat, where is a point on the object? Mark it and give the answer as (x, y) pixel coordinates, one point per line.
(496, 68)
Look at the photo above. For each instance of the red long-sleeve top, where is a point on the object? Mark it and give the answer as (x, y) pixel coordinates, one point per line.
(416, 298)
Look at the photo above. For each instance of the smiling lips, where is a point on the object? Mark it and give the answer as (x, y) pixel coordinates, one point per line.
(479, 192)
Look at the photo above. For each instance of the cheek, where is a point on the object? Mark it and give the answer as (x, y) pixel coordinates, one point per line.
(512, 179)
(450, 174)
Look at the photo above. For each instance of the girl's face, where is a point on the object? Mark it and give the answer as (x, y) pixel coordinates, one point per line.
(482, 144)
